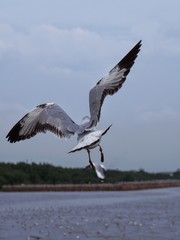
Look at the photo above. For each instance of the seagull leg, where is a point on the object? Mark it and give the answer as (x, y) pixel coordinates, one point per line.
(90, 162)
(98, 168)
(102, 155)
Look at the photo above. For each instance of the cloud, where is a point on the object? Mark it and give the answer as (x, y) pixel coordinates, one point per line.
(158, 115)
(43, 39)
(6, 36)
(9, 115)
(59, 54)
(50, 45)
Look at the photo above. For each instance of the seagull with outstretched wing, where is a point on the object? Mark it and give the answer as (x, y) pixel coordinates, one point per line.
(51, 117)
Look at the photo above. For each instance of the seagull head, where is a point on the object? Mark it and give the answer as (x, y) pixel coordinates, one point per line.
(85, 119)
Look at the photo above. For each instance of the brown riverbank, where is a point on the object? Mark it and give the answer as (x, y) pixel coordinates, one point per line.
(125, 186)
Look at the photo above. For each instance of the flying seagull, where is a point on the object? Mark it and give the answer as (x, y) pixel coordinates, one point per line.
(51, 117)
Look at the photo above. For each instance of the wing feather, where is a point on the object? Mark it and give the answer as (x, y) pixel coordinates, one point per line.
(110, 84)
(45, 117)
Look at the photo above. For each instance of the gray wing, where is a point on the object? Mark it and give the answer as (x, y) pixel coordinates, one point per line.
(110, 84)
(45, 117)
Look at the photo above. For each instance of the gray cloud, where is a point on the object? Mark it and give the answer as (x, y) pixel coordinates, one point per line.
(54, 52)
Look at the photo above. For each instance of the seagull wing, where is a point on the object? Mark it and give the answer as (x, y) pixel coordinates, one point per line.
(110, 84)
(45, 117)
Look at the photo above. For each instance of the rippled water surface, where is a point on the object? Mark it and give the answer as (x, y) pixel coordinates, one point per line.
(130, 215)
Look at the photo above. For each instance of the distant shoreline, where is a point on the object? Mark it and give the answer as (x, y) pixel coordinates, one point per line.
(124, 186)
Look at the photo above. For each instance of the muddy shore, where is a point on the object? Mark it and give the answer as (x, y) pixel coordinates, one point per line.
(92, 187)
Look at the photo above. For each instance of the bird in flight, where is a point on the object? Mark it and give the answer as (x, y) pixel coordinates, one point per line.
(51, 117)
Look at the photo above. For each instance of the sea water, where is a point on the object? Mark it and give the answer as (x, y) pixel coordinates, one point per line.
(124, 215)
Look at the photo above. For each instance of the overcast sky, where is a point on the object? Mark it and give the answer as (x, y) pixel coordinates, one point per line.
(55, 51)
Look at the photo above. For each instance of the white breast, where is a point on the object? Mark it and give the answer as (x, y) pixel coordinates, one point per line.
(88, 140)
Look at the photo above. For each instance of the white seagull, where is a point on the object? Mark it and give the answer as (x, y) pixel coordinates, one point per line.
(51, 117)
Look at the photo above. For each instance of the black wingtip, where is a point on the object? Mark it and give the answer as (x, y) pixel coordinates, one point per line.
(128, 61)
(13, 135)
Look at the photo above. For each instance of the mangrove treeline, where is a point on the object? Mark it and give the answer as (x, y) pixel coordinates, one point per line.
(43, 173)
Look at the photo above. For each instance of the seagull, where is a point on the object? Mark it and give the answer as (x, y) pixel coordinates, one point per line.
(51, 117)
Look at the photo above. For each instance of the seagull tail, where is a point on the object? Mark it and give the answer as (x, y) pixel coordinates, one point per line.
(105, 131)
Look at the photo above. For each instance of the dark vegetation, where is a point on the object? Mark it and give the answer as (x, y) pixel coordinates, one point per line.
(43, 173)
